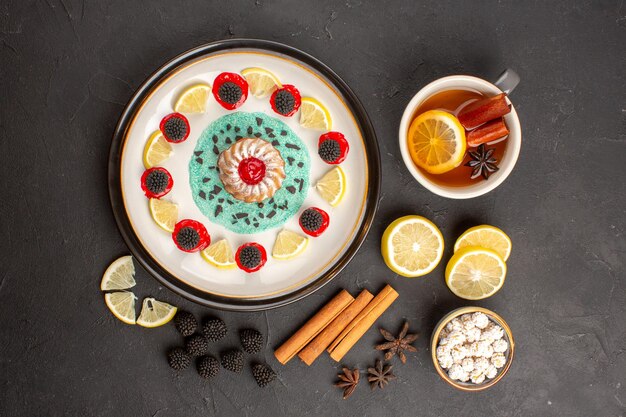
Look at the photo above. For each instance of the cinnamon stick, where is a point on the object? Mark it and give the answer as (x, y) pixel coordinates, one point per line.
(488, 132)
(361, 323)
(483, 111)
(313, 327)
(330, 333)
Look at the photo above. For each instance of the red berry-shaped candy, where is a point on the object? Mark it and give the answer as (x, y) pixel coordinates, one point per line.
(230, 90)
(314, 221)
(286, 100)
(156, 182)
(175, 128)
(191, 236)
(333, 148)
(250, 257)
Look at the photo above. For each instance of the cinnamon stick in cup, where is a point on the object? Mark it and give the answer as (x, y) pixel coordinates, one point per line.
(482, 111)
(361, 323)
(488, 132)
(313, 327)
(330, 333)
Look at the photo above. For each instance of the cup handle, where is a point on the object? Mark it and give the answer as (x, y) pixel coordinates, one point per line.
(507, 81)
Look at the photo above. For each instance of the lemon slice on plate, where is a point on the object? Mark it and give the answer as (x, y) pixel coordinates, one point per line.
(332, 186)
(412, 246)
(436, 141)
(157, 150)
(486, 236)
(193, 99)
(122, 305)
(155, 313)
(288, 245)
(313, 115)
(120, 275)
(474, 273)
(220, 254)
(261, 82)
(164, 213)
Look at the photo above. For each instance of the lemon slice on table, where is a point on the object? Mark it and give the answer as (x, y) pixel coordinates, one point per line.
(193, 99)
(313, 115)
(122, 305)
(412, 246)
(288, 245)
(261, 82)
(120, 275)
(164, 213)
(474, 273)
(332, 186)
(220, 254)
(436, 141)
(486, 236)
(157, 150)
(155, 313)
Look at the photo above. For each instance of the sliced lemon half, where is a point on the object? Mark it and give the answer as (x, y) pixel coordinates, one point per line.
(122, 305)
(288, 245)
(314, 115)
(156, 151)
(120, 275)
(220, 254)
(474, 273)
(332, 186)
(155, 313)
(486, 236)
(412, 246)
(261, 82)
(193, 99)
(436, 141)
(164, 213)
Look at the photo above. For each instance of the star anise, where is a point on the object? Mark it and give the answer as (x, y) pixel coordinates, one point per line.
(482, 162)
(380, 375)
(397, 346)
(348, 380)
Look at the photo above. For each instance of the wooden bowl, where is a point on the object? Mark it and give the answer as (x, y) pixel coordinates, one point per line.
(508, 336)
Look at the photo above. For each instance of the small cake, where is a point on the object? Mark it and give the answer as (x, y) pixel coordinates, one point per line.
(251, 170)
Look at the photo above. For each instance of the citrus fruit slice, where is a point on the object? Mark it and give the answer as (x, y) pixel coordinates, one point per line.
(474, 273)
(486, 236)
(332, 186)
(193, 99)
(436, 141)
(122, 305)
(164, 213)
(412, 246)
(313, 115)
(261, 82)
(220, 254)
(157, 150)
(155, 313)
(288, 245)
(120, 275)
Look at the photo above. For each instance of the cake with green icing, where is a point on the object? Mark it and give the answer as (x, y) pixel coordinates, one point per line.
(209, 191)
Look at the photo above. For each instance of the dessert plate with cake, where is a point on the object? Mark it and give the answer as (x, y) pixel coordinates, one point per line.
(244, 174)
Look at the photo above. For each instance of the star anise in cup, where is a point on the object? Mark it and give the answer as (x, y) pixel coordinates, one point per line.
(348, 380)
(397, 345)
(482, 162)
(380, 375)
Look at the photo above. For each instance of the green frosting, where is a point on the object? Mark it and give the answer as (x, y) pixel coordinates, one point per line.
(222, 208)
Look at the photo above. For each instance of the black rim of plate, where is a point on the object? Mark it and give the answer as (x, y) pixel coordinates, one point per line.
(169, 280)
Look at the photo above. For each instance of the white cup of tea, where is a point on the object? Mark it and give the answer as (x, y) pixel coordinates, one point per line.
(506, 83)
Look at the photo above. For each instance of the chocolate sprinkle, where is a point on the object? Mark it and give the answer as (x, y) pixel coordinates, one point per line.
(291, 189)
(292, 146)
(215, 150)
(283, 133)
(218, 210)
(199, 160)
(202, 195)
(198, 153)
(259, 121)
(205, 179)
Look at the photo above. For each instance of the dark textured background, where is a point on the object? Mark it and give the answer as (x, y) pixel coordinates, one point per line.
(67, 68)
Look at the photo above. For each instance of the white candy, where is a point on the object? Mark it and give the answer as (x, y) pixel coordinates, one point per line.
(477, 377)
(500, 346)
(480, 320)
(498, 360)
(468, 364)
(459, 352)
(445, 361)
(472, 335)
(454, 324)
(456, 337)
(491, 371)
(474, 349)
(443, 334)
(492, 332)
(485, 349)
(457, 372)
(481, 364)
(467, 321)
